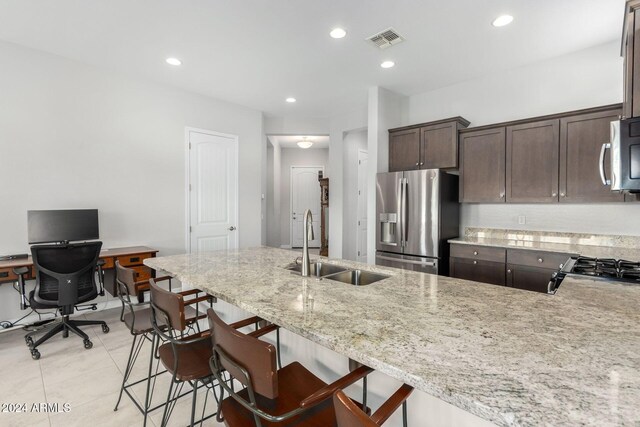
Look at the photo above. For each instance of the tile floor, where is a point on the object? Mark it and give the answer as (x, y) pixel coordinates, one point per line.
(87, 380)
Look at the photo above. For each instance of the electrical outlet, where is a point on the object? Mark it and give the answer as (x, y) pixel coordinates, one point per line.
(522, 220)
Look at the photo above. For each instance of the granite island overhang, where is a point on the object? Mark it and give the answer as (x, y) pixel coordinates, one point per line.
(509, 356)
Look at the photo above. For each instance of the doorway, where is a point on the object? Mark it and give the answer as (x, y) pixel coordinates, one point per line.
(212, 191)
(305, 194)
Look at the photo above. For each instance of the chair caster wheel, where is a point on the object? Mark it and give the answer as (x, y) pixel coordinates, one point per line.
(105, 329)
(87, 344)
(94, 308)
(35, 354)
(29, 341)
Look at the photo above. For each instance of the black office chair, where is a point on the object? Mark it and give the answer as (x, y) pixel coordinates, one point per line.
(65, 277)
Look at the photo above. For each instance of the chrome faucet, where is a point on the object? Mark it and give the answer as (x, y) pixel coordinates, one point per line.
(307, 235)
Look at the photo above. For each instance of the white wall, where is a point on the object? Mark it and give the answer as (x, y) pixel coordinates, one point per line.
(584, 79)
(354, 141)
(73, 136)
(339, 124)
(295, 157)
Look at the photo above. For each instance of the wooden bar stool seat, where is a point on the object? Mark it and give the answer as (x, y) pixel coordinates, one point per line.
(192, 361)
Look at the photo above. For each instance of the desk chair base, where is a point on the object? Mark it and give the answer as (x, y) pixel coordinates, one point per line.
(64, 326)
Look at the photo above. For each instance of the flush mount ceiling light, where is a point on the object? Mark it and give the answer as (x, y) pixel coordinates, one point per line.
(502, 20)
(387, 64)
(338, 33)
(290, 100)
(305, 143)
(173, 61)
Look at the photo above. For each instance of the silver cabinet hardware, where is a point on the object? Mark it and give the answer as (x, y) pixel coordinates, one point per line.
(554, 194)
(509, 271)
(417, 164)
(540, 260)
(502, 195)
(475, 262)
(475, 252)
(231, 228)
(562, 195)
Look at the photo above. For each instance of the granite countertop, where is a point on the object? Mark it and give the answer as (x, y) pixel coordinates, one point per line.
(513, 357)
(594, 251)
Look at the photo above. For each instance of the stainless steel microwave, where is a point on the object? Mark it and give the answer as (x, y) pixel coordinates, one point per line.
(625, 156)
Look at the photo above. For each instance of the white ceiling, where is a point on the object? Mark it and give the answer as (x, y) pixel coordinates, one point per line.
(290, 141)
(258, 52)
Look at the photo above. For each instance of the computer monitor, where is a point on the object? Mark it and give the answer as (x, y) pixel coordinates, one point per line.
(62, 225)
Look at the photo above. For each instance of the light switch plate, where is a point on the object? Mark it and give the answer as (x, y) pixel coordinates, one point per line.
(522, 220)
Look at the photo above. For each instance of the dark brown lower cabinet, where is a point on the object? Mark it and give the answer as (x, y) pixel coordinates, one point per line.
(528, 278)
(477, 270)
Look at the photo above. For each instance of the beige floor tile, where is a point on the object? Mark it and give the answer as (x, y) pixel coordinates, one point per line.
(58, 364)
(82, 388)
(181, 414)
(29, 419)
(99, 413)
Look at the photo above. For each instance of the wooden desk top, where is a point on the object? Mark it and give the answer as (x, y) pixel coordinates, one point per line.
(105, 253)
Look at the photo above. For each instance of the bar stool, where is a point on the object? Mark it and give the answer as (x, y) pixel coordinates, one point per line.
(137, 318)
(350, 415)
(281, 397)
(186, 357)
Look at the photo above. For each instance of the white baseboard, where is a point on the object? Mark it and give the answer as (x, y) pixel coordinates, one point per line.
(285, 246)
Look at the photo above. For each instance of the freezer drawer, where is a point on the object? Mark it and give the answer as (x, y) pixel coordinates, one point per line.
(407, 262)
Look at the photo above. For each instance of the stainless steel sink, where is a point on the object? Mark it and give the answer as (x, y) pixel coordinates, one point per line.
(318, 269)
(357, 277)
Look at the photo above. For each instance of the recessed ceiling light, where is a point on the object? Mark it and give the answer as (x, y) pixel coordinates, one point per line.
(174, 61)
(387, 64)
(338, 33)
(305, 143)
(502, 20)
(290, 100)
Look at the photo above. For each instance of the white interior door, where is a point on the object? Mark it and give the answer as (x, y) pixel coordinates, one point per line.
(361, 244)
(305, 194)
(213, 191)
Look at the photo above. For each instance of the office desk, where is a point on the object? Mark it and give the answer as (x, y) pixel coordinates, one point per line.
(131, 257)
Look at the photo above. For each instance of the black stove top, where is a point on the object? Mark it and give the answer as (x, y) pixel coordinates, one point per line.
(598, 268)
(606, 268)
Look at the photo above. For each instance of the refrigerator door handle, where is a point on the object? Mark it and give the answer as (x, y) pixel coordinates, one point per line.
(400, 214)
(407, 261)
(405, 211)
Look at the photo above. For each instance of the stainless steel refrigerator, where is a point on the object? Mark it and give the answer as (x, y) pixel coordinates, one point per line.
(416, 213)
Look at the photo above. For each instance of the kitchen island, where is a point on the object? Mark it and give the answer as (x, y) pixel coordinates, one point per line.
(511, 357)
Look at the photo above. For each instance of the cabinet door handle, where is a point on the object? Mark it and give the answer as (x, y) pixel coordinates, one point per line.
(540, 260)
(509, 271)
(554, 194)
(502, 195)
(231, 228)
(475, 262)
(562, 195)
(475, 252)
(421, 163)
(417, 164)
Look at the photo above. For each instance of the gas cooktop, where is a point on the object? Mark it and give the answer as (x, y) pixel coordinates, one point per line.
(598, 268)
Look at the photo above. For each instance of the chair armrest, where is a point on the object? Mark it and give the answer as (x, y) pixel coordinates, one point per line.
(263, 331)
(194, 338)
(189, 292)
(197, 300)
(389, 407)
(160, 279)
(245, 322)
(328, 390)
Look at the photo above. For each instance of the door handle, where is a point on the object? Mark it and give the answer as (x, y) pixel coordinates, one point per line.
(603, 176)
(231, 228)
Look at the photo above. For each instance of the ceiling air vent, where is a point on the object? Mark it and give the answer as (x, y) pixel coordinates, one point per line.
(386, 38)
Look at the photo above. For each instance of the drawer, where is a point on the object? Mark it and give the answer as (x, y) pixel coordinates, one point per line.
(109, 263)
(484, 253)
(7, 275)
(142, 272)
(550, 260)
(129, 260)
(478, 270)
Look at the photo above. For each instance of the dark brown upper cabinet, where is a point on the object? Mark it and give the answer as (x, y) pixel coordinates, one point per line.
(431, 145)
(404, 150)
(581, 138)
(482, 166)
(631, 54)
(533, 162)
